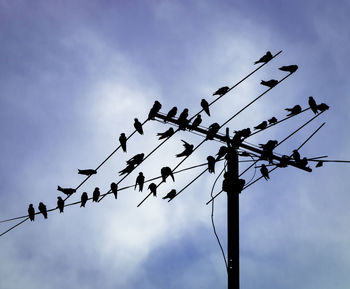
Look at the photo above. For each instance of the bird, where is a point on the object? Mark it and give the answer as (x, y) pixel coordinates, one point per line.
(88, 172)
(270, 83)
(166, 172)
(296, 156)
(283, 162)
(166, 134)
(154, 110)
(212, 130)
(138, 126)
(312, 104)
(60, 204)
(140, 181)
(264, 172)
(122, 141)
(319, 164)
(182, 120)
(83, 199)
(153, 188)
(172, 113)
(241, 183)
(211, 164)
(67, 191)
(96, 194)
(221, 90)
(136, 159)
(42, 209)
(221, 153)
(170, 195)
(269, 146)
(262, 125)
(322, 107)
(272, 120)
(205, 106)
(127, 170)
(196, 122)
(31, 212)
(294, 110)
(114, 189)
(289, 68)
(264, 59)
(187, 151)
(303, 162)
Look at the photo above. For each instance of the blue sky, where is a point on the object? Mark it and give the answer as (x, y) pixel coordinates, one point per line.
(73, 76)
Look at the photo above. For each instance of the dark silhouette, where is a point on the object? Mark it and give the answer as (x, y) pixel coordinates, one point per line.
(264, 172)
(187, 151)
(88, 172)
(294, 110)
(283, 162)
(170, 195)
(154, 110)
(31, 212)
(303, 162)
(322, 107)
(211, 164)
(241, 184)
(96, 195)
(264, 59)
(67, 191)
(42, 209)
(172, 113)
(127, 170)
(312, 104)
(296, 156)
(166, 172)
(239, 135)
(60, 204)
(270, 83)
(140, 181)
(270, 145)
(221, 90)
(83, 199)
(267, 153)
(122, 140)
(289, 68)
(213, 129)
(272, 120)
(138, 126)
(153, 188)
(114, 189)
(319, 164)
(182, 120)
(166, 134)
(197, 121)
(136, 159)
(261, 125)
(205, 106)
(221, 153)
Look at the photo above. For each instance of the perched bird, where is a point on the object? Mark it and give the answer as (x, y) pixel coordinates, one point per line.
(289, 68)
(241, 184)
(262, 125)
(283, 162)
(322, 107)
(272, 120)
(312, 104)
(205, 106)
(122, 140)
(153, 188)
(197, 121)
(264, 172)
(31, 212)
(319, 164)
(114, 189)
(136, 159)
(182, 120)
(60, 204)
(83, 199)
(270, 83)
(270, 145)
(213, 129)
(187, 151)
(303, 162)
(264, 59)
(221, 90)
(88, 172)
(170, 195)
(294, 110)
(140, 181)
(211, 164)
(296, 156)
(42, 209)
(127, 170)
(166, 134)
(154, 110)
(172, 113)
(166, 172)
(221, 153)
(96, 194)
(67, 191)
(138, 126)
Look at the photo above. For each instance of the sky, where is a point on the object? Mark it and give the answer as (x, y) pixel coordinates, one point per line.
(75, 74)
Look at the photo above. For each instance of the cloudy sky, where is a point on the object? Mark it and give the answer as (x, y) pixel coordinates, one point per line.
(74, 75)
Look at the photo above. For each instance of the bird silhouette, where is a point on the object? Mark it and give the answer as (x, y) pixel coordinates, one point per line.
(172, 113)
(264, 172)
(127, 170)
(261, 125)
(289, 68)
(83, 199)
(322, 107)
(170, 195)
(166, 134)
(221, 153)
(60, 204)
(138, 126)
(296, 156)
(303, 162)
(42, 209)
(211, 164)
(294, 110)
(264, 59)
(114, 189)
(153, 188)
(136, 159)
(270, 83)
(187, 151)
(166, 172)
(140, 181)
(272, 120)
(182, 120)
(88, 172)
(319, 164)
(221, 90)
(197, 121)
(312, 104)
(154, 110)
(270, 145)
(283, 162)
(205, 106)
(122, 141)
(31, 212)
(96, 195)
(67, 191)
(212, 130)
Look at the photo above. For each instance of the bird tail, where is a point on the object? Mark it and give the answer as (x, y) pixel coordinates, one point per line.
(59, 188)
